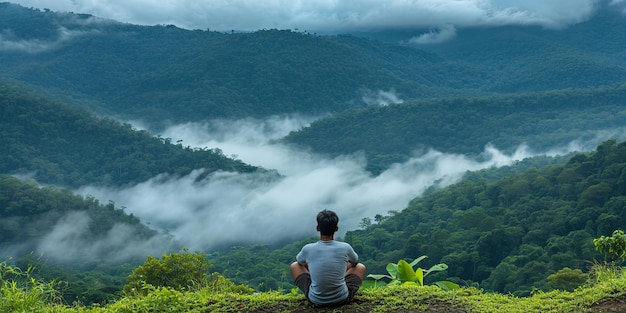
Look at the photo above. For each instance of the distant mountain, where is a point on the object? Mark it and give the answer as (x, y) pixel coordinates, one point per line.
(541, 120)
(165, 73)
(587, 54)
(66, 145)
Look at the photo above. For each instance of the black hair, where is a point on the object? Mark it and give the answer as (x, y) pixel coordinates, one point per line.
(327, 222)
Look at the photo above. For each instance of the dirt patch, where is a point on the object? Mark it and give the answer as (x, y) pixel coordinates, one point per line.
(617, 305)
(610, 306)
(360, 306)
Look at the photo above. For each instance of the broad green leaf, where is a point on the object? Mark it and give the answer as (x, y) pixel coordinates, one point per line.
(392, 269)
(405, 272)
(437, 268)
(418, 260)
(378, 277)
(420, 276)
(446, 285)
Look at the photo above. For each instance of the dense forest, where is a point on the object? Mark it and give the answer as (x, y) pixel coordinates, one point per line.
(540, 120)
(163, 73)
(67, 80)
(68, 146)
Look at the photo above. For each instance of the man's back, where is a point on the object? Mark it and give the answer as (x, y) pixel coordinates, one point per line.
(327, 261)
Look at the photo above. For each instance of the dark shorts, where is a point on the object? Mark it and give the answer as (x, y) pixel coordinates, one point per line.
(353, 282)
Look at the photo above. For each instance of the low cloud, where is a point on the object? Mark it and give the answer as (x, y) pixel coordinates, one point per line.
(439, 35)
(381, 98)
(223, 208)
(205, 211)
(9, 43)
(619, 5)
(67, 242)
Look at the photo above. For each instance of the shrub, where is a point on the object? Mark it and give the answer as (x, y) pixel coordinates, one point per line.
(179, 271)
(403, 273)
(613, 248)
(20, 292)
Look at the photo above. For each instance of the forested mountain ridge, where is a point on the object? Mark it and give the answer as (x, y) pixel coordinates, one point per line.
(540, 120)
(563, 58)
(28, 213)
(163, 72)
(57, 144)
(509, 235)
(68, 146)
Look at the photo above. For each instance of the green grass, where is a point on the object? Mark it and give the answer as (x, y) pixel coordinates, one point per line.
(606, 286)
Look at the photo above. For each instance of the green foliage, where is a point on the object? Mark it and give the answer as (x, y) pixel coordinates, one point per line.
(262, 267)
(603, 295)
(66, 145)
(179, 271)
(567, 279)
(403, 273)
(21, 292)
(394, 133)
(613, 247)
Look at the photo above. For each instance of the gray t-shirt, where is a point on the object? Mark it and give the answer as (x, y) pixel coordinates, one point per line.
(327, 262)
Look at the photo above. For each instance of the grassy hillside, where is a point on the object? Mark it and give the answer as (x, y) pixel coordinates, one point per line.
(604, 292)
(66, 145)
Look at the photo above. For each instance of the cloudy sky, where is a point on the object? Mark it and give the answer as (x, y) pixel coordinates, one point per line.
(333, 15)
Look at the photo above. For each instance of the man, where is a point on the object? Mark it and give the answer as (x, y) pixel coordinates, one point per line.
(327, 271)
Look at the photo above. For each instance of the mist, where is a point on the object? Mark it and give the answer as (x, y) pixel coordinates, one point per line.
(380, 97)
(8, 42)
(224, 208)
(66, 242)
(439, 35)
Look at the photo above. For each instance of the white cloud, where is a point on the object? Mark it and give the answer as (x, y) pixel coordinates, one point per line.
(67, 242)
(329, 15)
(441, 34)
(37, 45)
(381, 98)
(224, 207)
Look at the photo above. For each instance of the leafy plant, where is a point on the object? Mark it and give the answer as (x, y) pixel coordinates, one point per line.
(614, 247)
(403, 273)
(21, 292)
(177, 271)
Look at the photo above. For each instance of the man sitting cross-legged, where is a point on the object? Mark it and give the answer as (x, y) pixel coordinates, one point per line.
(327, 271)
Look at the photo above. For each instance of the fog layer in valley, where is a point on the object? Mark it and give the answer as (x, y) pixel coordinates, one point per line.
(223, 208)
